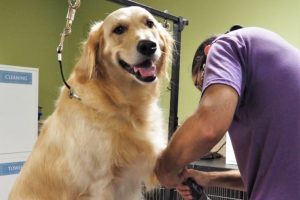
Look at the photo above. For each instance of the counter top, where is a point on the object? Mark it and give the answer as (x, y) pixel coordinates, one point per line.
(218, 164)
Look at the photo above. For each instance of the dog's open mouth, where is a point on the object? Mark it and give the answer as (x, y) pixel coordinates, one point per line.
(145, 71)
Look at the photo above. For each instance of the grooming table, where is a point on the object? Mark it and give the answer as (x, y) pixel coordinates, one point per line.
(214, 193)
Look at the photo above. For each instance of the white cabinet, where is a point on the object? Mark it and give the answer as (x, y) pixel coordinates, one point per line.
(18, 121)
(230, 156)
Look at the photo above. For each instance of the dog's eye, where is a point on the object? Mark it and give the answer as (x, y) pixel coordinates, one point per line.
(150, 23)
(119, 30)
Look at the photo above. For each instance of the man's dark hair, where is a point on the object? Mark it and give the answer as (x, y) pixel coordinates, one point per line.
(200, 57)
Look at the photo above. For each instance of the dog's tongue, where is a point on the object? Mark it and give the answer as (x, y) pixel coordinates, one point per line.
(147, 71)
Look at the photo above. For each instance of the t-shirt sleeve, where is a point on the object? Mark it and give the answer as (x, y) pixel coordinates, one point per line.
(224, 64)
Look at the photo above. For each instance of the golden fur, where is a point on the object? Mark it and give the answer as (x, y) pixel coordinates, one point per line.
(104, 145)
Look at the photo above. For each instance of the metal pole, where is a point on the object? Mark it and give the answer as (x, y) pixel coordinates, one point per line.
(151, 10)
(174, 84)
(173, 115)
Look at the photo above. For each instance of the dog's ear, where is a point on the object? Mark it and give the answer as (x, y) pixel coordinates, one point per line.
(90, 53)
(168, 41)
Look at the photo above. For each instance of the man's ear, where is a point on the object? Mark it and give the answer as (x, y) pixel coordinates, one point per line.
(206, 49)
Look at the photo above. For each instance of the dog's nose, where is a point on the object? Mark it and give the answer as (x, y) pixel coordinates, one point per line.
(146, 47)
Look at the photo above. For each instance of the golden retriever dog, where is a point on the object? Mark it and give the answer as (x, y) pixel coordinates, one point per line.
(105, 144)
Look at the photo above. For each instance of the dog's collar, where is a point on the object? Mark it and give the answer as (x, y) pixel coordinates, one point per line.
(73, 95)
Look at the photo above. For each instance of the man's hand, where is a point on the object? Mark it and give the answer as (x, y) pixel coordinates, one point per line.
(168, 178)
(185, 192)
(200, 177)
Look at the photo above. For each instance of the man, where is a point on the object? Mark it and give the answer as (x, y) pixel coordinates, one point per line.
(250, 83)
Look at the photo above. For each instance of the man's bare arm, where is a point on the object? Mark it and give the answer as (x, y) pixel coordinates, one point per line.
(199, 133)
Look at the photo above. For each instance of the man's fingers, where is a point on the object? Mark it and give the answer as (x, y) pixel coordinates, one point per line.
(185, 192)
(188, 197)
(183, 188)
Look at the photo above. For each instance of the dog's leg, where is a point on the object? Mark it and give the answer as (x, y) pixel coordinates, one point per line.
(103, 196)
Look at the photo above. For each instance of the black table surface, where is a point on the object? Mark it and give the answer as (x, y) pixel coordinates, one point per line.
(218, 164)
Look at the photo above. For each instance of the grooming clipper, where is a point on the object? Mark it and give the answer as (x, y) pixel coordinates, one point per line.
(196, 189)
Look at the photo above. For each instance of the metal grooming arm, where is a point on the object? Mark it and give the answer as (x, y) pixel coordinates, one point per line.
(178, 25)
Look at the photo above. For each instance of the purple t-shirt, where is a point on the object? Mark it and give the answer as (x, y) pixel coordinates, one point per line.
(264, 70)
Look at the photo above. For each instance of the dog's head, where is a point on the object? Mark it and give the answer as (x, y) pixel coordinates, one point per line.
(128, 45)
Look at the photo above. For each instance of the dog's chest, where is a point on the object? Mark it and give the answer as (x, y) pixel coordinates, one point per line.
(134, 142)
